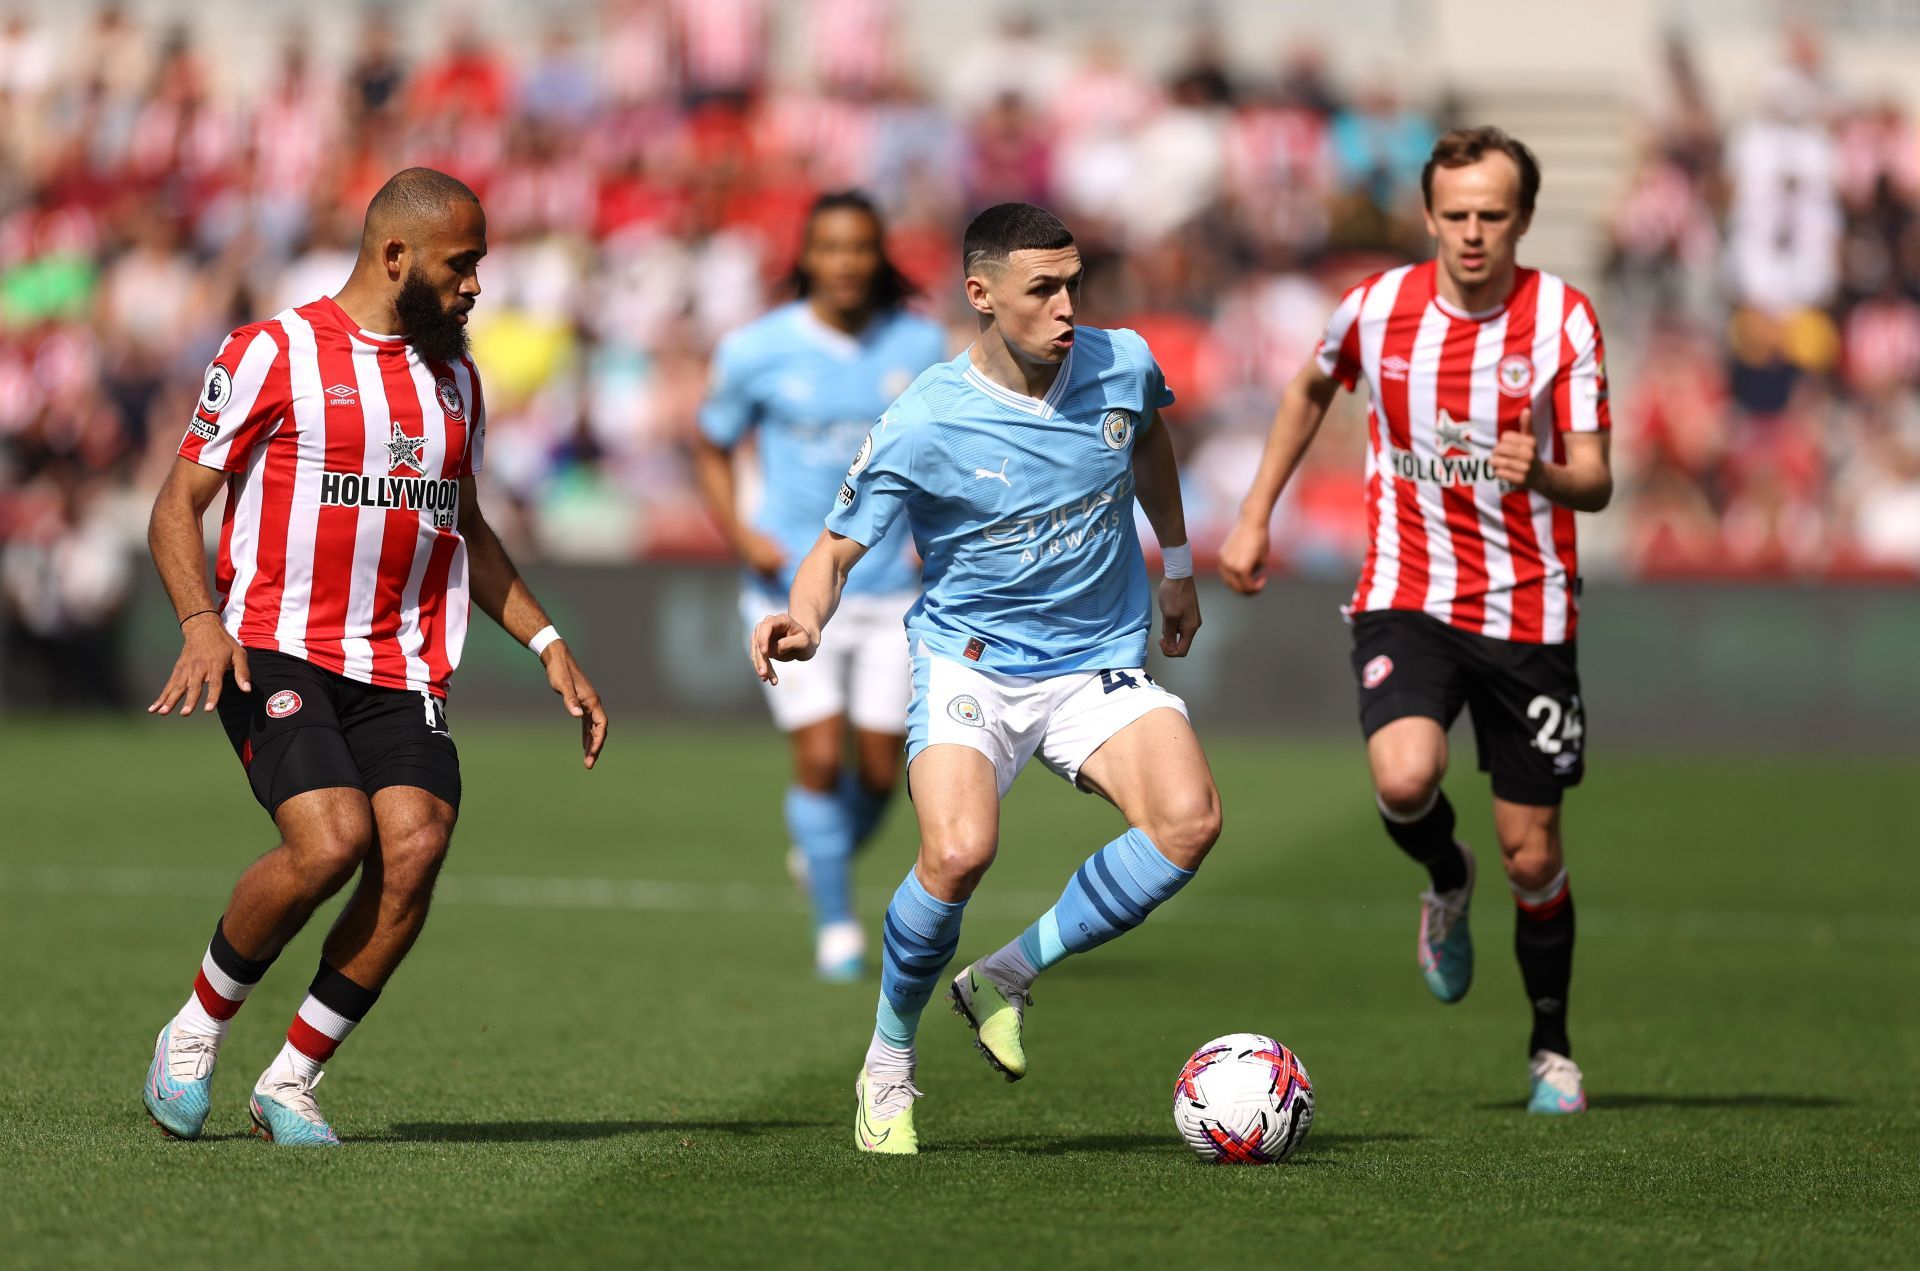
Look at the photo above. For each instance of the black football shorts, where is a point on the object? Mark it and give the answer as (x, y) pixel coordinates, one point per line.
(1528, 723)
(305, 728)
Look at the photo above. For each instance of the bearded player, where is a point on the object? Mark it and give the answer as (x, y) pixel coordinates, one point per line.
(807, 380)
(1488, 430)
(1016, 465)
(347, 434)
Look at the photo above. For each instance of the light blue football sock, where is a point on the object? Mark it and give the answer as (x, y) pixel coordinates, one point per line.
(918, 940)
(823, 830)
(1111, 894)
(865, 806)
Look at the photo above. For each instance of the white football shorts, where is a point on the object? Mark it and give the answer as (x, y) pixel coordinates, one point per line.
(1010, 718)
(860, 670)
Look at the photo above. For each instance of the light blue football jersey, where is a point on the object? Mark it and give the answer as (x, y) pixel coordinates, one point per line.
(1022, 507)
(813, 392)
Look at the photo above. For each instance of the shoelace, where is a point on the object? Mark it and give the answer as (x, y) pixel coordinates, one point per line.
(298, 1095)
(190, 1056)
(1561, 1073)
(892, 1097)
(1444, 909)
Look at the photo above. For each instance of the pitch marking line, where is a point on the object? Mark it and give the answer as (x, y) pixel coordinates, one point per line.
(642, 895)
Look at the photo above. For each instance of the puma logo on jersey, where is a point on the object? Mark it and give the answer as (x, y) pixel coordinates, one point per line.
(989, 474)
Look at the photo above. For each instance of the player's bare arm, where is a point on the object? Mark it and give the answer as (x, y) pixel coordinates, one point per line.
(713, 474)
(504, 596)
(794, 636)
(1583, 483)
(1156, 483)
(177, 541)
(1243, 557)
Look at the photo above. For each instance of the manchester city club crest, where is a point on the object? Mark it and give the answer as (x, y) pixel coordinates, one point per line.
(450, 398)
(1117, 428)
(967, 711)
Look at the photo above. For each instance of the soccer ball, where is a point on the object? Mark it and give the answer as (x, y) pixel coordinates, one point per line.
(1243, 1098)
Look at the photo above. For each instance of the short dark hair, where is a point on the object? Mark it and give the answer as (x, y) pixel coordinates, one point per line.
(1464, 146)
(1006, 228)
(412, 197)
(891, 288)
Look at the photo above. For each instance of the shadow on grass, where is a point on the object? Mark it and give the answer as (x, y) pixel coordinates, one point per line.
(567, 1131)
(1316, 1146)
(1695, 1102)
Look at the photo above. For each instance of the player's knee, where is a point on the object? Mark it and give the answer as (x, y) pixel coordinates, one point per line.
(1532, 857)
(410, 861)
(957, 857)
(880, 774)
(818, 771)
(327, 856)
(1186, 832)
(1407, 789)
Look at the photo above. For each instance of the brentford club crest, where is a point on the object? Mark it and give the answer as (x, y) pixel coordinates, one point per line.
(1376, 672)
(450, 398)
(1515, 374)
(283, 703)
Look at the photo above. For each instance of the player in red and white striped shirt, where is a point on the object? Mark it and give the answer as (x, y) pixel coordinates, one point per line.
(1487, 431)
(347, 434)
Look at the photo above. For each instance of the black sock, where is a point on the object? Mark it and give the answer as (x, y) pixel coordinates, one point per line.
(1543, 942)
(1428, 838)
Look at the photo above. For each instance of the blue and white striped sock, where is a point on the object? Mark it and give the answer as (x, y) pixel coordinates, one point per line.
(1111, 894)
(920, 935)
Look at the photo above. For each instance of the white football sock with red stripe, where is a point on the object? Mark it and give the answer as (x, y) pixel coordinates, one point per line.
(333, 1008)
(224, 982)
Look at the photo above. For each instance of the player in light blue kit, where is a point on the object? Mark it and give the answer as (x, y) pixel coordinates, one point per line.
(1017, 465)
(808, 379)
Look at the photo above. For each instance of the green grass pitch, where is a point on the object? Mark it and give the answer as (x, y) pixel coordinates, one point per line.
(608, 1047)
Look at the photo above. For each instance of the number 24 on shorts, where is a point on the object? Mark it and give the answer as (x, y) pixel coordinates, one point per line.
(1561, 728)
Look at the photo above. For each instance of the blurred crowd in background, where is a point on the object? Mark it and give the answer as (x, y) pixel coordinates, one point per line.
(646, 173)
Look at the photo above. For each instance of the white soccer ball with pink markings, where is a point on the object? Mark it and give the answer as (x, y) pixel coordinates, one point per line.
(1243, 1099)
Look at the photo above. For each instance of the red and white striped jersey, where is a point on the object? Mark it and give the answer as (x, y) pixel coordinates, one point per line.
(1446, 537)
(341, 541)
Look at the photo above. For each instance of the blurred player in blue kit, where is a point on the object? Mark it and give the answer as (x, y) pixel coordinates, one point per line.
(1017, 465)
(807, 381)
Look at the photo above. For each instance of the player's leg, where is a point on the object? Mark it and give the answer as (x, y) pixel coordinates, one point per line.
(302, 772)
(1121, 736)
(809, 706)
(956, 795)
(820, 823)
(968, 734)
(878, 757)
(402, 746)
(1411, 689)
(1533, 744)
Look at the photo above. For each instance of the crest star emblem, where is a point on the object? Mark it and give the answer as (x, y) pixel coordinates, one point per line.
(404, 451)
(1451, 436)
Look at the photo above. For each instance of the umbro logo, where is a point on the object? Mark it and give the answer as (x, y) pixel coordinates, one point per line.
(988, 474)
(342, 395)
(1394, 368)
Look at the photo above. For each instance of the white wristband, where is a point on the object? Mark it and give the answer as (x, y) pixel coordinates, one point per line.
(1177, 562)
(542, 638)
